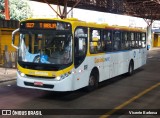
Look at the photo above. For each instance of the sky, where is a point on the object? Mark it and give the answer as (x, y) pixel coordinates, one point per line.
(42, 10)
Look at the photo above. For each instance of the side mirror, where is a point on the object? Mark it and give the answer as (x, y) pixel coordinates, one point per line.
(13, 37)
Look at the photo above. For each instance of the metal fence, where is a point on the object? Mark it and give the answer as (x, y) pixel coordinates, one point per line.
(8, 59)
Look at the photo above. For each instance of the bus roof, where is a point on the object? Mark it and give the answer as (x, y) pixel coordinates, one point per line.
(75, 22)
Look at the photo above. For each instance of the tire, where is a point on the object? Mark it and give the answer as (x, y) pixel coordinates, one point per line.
(93, 83)
(130, 68)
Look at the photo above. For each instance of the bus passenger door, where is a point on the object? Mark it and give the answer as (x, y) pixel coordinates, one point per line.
(81, 65)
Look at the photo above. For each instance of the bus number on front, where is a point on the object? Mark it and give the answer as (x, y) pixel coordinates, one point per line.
(29, 25)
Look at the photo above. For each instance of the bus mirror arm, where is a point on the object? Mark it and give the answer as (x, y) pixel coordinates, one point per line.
(13, 37)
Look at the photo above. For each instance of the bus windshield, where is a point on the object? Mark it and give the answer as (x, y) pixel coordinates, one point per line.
(45, 47)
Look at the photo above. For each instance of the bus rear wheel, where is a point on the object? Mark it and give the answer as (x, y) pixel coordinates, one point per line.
(130, 68)
(93, 83)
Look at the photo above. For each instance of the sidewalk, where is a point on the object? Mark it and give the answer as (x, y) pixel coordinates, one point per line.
(7, 74)
(154, 48)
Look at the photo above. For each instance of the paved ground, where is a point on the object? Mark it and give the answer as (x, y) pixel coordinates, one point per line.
(137, 92)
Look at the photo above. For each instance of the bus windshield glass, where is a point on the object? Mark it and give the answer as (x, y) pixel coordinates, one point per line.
(45, 47)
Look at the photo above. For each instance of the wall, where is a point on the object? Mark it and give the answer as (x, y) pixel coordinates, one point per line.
(6, 29)
(156, 40)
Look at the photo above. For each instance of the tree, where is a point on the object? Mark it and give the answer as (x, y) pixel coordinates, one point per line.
(19, 9)
(1, 9)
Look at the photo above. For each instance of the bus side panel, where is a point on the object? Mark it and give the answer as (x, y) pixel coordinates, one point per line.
(123, 62)
(81, 77)
(82, 73)
(143, 56)
(120, 62)
(139, 57)
(135, 55)
(108, 70)
(99, 62)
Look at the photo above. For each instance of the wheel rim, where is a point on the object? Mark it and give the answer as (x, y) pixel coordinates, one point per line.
(92, 81)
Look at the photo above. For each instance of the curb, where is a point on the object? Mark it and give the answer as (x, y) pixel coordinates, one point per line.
(1, 81)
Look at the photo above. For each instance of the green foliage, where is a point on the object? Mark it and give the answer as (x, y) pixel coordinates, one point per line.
(1, 9)
(19, 9)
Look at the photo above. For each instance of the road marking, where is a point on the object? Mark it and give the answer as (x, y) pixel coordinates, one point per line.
(107, 114)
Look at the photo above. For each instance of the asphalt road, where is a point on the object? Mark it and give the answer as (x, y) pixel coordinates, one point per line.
(139, 92)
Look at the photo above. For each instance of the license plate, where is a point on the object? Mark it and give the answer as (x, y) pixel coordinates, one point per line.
(38, 83)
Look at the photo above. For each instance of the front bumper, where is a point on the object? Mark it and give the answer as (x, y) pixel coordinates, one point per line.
(45, 84)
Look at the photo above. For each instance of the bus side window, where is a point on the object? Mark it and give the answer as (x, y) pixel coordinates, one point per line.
(125, 43)
(124, 38)
(95, 41)
(132, 40)
(107, 40)
(136, 40)
(139, 40)
(143, 38)
(117, 40)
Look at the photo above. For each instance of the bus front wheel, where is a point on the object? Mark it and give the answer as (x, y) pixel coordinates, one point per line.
(93, 83)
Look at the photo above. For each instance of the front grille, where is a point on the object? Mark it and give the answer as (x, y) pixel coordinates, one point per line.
(43, 86)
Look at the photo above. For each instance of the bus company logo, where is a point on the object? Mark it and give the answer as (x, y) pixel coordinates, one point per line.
(31, 73)
(6, 112)
(21, 112)
(99, 60)
(41, 73)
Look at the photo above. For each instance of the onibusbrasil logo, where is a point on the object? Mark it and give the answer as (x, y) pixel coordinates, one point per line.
(21, 112)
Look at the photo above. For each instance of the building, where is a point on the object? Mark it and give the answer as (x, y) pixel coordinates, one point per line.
(6, 49)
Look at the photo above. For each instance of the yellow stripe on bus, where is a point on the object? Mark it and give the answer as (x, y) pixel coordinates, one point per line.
(44, 73)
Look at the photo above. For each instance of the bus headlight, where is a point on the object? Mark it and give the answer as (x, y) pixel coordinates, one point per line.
(58, 78)
(63, 76)
(21, 74)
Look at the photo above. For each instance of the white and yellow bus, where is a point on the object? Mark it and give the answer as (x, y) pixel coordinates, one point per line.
(68, 54)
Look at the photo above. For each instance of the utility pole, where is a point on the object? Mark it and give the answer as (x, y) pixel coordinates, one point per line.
(149, 33)
(6, 12)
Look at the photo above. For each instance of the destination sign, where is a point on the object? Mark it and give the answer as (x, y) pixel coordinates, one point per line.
(29, 25)
(45, 25)
(41, 25)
